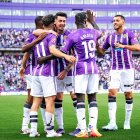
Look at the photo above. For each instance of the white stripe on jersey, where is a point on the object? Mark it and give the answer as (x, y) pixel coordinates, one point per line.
(43, 48)
(110, 39)
(37, 48)
(64, 63)
(128, 52)
(31, 67)
(52, 71)
(122, 55)
(116, 37)
(40, 71)
(85, 66)
(76, 55)
(35, 69)
(92, 67)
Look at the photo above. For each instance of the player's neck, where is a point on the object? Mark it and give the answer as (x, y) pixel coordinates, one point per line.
(47, 28)
(80, 26)
(120, 31)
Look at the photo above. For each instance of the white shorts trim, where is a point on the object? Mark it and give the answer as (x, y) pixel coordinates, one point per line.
(28, 81)
(122, 79)
(87, 83)
(65, 85)
(43, 86)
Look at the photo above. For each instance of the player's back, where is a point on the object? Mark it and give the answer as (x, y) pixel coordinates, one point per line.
(84, 44)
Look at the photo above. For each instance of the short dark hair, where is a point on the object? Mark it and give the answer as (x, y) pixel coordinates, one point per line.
(48, 19)
(80, 18)
(38, 19)
(62, 14)
(120, 16)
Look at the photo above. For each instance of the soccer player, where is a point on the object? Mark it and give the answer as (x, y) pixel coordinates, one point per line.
(122, 42)
(83, 41)
(43, 84)
(26, 69)
(64, 74)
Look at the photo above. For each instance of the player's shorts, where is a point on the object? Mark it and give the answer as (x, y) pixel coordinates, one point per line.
(43, 86)
(122, 79)
(28, 81)
(65, 85)
(86, 83)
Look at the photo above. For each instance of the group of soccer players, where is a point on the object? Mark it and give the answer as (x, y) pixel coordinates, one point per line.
(56, 60)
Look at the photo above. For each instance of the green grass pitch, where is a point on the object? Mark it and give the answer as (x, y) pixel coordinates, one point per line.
(11, 118)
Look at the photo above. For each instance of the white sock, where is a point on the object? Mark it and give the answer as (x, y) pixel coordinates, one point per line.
(128, 110)
(50, 121)
(81, 116)
(26, 116)
(43, 110)
(112, 107)
(93, 114)
(59, 117)
(33, 121)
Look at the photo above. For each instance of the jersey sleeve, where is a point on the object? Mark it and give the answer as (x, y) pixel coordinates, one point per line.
(106, 44)
(68, 44)
(132, 39)
(52, 40)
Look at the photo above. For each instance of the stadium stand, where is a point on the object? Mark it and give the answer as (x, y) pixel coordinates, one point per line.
(17, 21)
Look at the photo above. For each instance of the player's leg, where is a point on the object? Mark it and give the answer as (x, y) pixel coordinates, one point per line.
(59, 106)
(43, 110)
(34, 116)
(80, 90)
(112, 106)
(37, 94)
(50, 95)
(92, 105)
(26, 109)
(127, 87)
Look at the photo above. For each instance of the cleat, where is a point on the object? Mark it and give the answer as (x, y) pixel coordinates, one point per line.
(60, 131)
(52, 133)
(25, 131)
(82, 134)
(76, 131)
(95, 133)
(32, 135)
(126, 125)
(110, 127)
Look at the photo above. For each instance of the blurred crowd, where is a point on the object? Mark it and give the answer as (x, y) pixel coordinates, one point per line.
(10, 64)
(13, 38)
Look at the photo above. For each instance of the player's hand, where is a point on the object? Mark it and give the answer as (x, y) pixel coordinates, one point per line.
(62, 75)
(70, 58)
(90, 16)
(41, 36)
(40, 60)
(118, 45)
(21, 73)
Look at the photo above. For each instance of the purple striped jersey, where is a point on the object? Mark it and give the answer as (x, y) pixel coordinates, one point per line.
(30, 63)
(83, 42)
(40, 50)
(61, 63)
(121, 57)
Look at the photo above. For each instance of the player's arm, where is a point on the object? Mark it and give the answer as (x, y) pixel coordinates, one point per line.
(135, 47)
(91, 19)
(23, 64)
(27, 47)
(64, 73)
(60, 54)
(45, 59)
(38, 32)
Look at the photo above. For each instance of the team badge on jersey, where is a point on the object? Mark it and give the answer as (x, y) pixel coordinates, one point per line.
(53, 40)
(124, 35)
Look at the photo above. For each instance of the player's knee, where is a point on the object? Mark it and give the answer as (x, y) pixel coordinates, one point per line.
(112, 92)
(128, 95)
(91, 97)
(59, 96)
(73, 95)
(80, 97)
